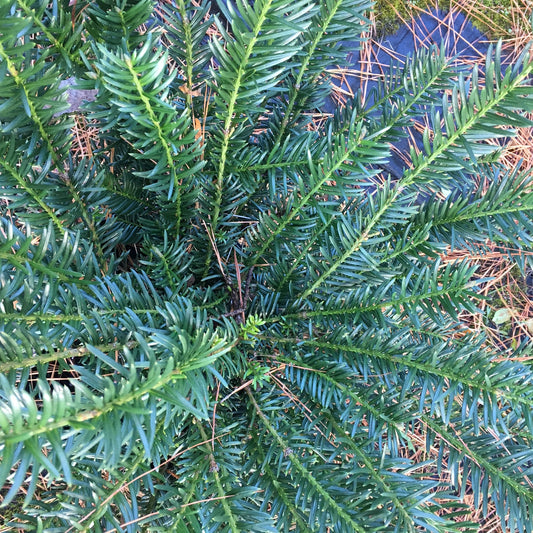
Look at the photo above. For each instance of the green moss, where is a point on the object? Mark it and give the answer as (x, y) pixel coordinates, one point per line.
(10, 512)
(389, 13)
(496, 23)
(495, 19)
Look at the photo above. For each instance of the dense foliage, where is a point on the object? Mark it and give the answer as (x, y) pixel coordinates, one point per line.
(223, 314)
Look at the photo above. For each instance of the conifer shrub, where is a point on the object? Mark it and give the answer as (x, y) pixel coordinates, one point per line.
(223, 314)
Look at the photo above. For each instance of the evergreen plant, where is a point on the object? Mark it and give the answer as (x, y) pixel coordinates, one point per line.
(223, 314)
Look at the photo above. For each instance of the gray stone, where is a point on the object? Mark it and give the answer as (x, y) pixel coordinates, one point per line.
(76, 97)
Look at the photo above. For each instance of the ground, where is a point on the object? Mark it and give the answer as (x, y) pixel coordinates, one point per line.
(497, 18)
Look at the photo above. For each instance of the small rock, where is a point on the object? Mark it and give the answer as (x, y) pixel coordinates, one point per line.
(75, 97)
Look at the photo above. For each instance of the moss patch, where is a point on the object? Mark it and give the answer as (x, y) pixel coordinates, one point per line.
(493, 17)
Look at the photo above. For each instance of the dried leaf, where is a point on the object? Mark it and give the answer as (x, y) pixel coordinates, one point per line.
(503, 315)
